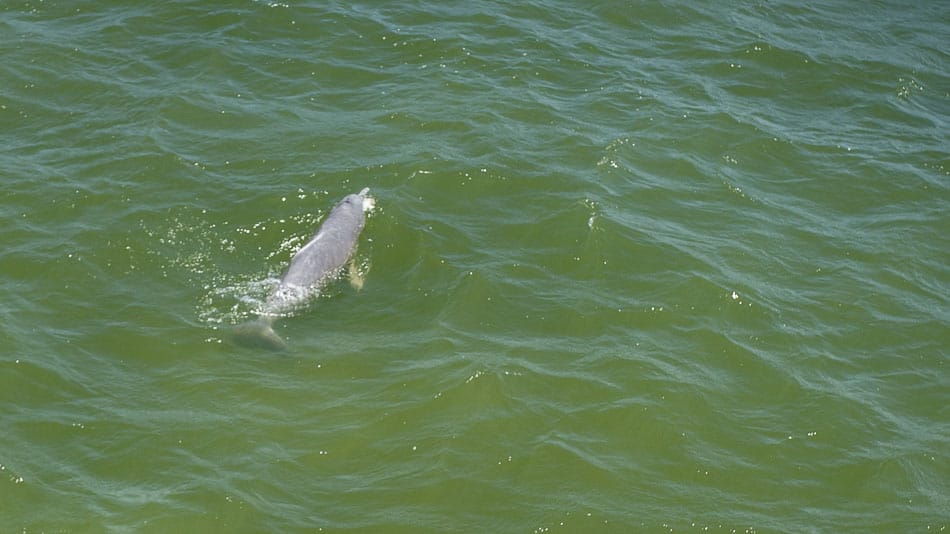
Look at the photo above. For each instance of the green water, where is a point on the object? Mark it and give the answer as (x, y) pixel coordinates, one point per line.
(660, 267)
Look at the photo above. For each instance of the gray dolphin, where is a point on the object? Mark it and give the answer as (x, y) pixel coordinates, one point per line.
(315, 264)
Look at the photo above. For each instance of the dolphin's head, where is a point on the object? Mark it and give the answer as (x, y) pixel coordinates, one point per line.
(351, 205)
(356, 204)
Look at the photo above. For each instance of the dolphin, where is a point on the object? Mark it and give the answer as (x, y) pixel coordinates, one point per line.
(312, 267)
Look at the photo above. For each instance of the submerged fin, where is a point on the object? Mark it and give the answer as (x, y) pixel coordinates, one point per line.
(258, 334)
(356, 277)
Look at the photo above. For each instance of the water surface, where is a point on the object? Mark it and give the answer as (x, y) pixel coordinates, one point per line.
(633, 267)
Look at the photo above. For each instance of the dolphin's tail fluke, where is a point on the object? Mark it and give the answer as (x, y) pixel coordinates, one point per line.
(258, 334)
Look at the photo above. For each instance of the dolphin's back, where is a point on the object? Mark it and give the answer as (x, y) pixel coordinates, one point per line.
(330, 248)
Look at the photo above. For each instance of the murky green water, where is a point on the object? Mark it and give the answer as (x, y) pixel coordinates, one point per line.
(633, 267)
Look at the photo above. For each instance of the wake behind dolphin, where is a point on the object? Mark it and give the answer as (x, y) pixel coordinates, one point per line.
(311, 268)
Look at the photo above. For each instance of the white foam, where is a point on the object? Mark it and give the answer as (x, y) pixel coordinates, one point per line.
(368, 204)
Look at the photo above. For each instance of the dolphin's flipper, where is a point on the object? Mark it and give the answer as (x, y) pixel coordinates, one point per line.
(259, 334)
(356, 277)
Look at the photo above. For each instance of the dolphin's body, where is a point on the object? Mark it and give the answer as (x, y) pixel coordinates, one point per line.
(315, 264)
